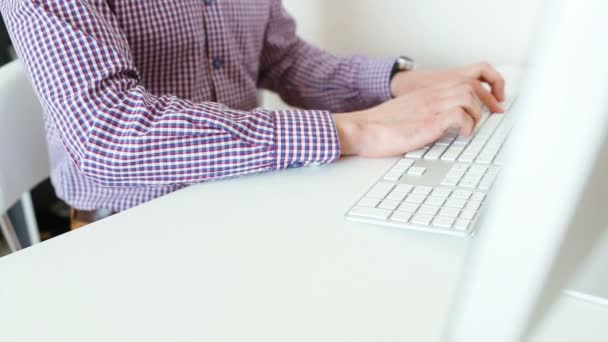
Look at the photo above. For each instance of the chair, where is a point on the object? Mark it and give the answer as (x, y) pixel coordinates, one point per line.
(23, 153)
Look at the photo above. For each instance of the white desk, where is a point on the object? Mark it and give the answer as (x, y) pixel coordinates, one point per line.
(262, 258)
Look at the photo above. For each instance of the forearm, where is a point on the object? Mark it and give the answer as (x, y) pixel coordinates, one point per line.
(144, 140)
(308, 77)
(312, 78)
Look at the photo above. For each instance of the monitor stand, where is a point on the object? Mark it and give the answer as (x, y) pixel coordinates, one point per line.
(590, 282)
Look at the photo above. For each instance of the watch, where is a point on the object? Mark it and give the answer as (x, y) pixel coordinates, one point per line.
(403, 64)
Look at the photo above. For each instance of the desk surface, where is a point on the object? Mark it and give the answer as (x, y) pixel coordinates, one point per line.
(262, 258)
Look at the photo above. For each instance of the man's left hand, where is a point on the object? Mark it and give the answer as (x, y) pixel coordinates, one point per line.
(475, 75)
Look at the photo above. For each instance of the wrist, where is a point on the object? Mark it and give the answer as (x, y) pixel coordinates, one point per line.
(399, 83)
(402, 66)
(394, 85)
(349, 133)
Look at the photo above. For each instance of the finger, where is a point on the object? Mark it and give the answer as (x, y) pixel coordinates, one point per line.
(486, 73)
(457, 118)
(487, 98)
(463, 97)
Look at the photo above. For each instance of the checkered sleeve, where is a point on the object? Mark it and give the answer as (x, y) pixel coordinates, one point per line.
(308, 77)
(118, 134)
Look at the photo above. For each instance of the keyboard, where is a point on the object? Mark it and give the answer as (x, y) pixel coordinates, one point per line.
(441, 187)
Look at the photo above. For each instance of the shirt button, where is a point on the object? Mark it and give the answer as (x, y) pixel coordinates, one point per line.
(208, 2)
(295, 165)
(217, 63)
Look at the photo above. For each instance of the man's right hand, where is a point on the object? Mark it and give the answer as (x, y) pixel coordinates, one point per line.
(409, 122)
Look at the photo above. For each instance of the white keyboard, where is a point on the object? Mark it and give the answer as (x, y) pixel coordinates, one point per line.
(441, 187)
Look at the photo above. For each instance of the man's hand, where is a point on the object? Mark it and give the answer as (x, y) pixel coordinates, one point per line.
(406, 82)
(408, 122)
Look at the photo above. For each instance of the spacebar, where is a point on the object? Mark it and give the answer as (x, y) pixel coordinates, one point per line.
(380, 214)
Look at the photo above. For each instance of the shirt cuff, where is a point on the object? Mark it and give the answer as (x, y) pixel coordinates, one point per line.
(304, 138)
(374, 78)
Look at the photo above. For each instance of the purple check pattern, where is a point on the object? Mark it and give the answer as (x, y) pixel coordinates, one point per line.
(142, 98)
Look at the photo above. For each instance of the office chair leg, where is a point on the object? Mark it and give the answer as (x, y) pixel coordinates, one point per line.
(9, 233)
(30, 218)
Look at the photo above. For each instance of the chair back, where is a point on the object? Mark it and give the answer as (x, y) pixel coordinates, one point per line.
(23, 153)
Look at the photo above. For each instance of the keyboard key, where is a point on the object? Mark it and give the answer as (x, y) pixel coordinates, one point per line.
(442, 192)
(435, 152)
(456, 203)
(487, 182)
(491, 177)
(492, 122)
(484, 117)
(468, 214)
(446, 139)
(450, 181)
(410, 207)
(476, 145)
(494, 170)
(462, 167)
(399, 168)
(450, 156)
(473, 205)
(500, 158)
(413, 198)
(462, 194)
(469, 183)
(368, 202)
(405, 163)
(479, 168)
(474, 176)
(375, 213)
(467, 157)
(416, 171)
(393, 176)
(404, 188)
(401, 216)
(396, 196)
(443, 222)
(478, 196)
(449, 212)
(456, 173)
(435, 200)
(490, 150)
(460, 143)
(422, 219)
(389, 204)
(462, 225)
(452, 153)
(417, 154)
(483, 137)
(380, 190)
(422, 190)
(485, 158)
(428, 209)
(463, 140)
(485, 185)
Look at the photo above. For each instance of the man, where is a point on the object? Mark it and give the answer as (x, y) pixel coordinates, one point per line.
(142, 98)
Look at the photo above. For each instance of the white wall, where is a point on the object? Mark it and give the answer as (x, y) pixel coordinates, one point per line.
(437, 33)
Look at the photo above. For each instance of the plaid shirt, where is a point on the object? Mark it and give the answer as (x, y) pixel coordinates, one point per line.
(142, 98)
